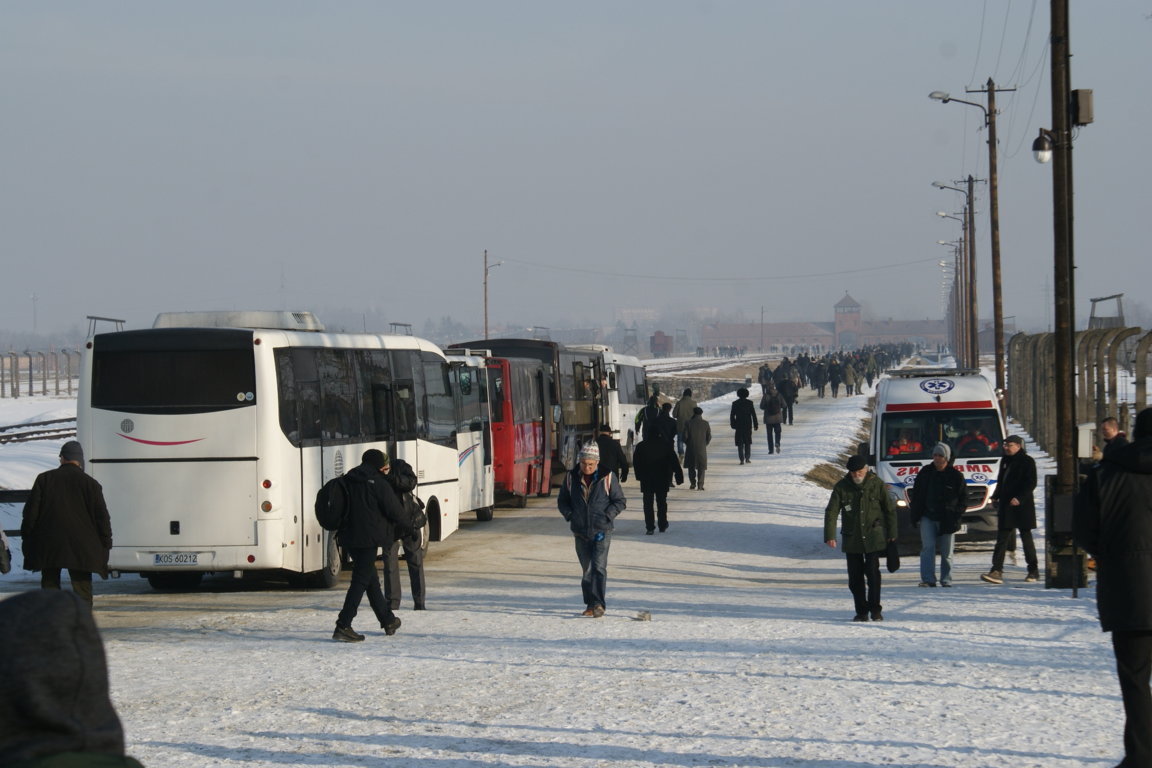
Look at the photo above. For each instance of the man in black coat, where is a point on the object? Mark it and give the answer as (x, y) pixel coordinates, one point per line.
(1016, 509)
(612, 458)
(742, 418)
(788, 390)
(1113, 522)
(373, 508)
(66, 525)
(656, 464)
(938, 500)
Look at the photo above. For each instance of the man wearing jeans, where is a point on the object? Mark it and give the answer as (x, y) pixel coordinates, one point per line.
(939, 498)
(590, 502)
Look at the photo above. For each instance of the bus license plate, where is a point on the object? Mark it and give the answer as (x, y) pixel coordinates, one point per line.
(175, 558)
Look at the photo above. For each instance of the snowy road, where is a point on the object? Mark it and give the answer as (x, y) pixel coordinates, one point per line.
(748, 660)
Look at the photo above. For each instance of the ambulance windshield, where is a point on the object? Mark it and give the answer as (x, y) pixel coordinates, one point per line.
(969, 433)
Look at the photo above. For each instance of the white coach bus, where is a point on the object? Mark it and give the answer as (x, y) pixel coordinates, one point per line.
(624, 392)
(211, 433)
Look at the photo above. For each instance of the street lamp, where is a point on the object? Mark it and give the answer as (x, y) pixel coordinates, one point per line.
(994, 221)
(972, 354)
(957, 313)
(487, 267)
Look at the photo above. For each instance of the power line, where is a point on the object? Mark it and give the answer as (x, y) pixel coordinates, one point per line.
(704, 279)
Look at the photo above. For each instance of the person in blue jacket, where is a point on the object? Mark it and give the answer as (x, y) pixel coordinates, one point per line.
(590, 502)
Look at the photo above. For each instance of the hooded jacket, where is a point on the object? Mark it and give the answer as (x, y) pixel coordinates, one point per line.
(1113, 521)
(55, 710)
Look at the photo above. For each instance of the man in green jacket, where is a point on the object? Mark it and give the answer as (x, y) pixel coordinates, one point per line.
(869, 523)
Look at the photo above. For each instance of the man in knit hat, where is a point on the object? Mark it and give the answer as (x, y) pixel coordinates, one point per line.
(939, 498)
(590, 501)
(66, 525)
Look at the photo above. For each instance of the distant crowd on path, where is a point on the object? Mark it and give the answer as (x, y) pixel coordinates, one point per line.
(854, 369)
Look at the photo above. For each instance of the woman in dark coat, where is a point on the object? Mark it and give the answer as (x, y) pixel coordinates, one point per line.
(742, 418)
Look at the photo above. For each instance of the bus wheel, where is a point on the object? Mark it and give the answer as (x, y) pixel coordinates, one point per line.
(175, 582)
(520, 501)
(329, 576)
(484, 514)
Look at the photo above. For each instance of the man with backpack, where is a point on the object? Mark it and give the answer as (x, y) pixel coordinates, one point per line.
(372, 509)
(402, 478)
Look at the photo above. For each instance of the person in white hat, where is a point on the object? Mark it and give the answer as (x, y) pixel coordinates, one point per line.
(590, 502)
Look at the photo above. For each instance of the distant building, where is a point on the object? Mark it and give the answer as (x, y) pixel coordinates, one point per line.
(660, 344)
(848, 330)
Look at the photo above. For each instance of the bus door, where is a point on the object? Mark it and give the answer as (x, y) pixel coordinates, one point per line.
(473, 437)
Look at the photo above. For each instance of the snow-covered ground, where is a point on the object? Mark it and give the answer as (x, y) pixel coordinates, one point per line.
(749, 658)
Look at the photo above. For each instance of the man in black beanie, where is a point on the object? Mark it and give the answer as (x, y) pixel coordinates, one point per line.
(66, 525)
(1113, 522)
(373, 510)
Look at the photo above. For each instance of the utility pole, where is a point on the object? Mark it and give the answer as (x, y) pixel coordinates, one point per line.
(994, 225)
(486, 268)
(973, 314)
(1065, 316)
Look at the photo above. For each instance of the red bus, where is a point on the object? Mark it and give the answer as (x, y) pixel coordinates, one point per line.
(521, 442)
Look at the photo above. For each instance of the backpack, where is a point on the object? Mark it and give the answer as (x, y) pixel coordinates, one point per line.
(414, 517)
(332, 504)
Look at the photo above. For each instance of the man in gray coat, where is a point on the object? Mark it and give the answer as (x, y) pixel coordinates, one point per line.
(683, 414)
(66, 525)
(697, 435)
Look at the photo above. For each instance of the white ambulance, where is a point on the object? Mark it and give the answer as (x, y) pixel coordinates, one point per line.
(919, 407)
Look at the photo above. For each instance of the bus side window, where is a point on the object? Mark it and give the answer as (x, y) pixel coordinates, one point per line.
(375, 388)
(299, 394)
(340, 417)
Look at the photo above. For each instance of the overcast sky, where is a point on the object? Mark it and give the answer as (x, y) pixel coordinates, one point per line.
(661, 153)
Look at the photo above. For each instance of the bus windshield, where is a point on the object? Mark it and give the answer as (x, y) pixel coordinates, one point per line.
(969, 433)
(173, 372)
